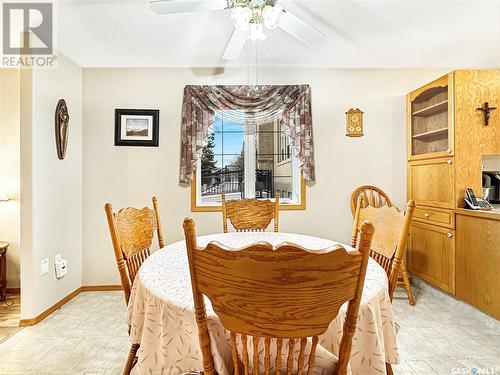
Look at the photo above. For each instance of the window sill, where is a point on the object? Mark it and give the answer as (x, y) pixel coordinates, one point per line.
(282, 207)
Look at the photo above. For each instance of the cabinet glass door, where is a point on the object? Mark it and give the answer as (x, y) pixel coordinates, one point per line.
(429, 119)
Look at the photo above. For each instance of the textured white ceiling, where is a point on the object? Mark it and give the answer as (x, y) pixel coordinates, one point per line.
(359, 34)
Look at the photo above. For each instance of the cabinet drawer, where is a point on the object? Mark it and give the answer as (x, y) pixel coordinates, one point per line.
(431, 253)
(430, 182)
(432, 216)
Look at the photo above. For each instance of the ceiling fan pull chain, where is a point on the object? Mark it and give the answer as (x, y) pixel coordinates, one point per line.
(253, 62)
(248, 64)
(257, 64)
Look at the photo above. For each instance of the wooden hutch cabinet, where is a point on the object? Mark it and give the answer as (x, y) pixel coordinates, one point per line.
(446, 140)
(431, 172)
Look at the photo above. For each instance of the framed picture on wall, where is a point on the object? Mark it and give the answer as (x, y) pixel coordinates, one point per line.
(137, 127)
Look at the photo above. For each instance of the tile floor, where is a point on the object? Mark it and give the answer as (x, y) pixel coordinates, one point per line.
(89, 336)
(441, 335)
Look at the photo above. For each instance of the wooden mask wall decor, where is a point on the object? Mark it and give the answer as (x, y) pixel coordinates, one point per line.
(354, 126)
(61, 124)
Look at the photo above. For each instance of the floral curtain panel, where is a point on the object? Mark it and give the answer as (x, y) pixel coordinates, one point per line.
(291, 104)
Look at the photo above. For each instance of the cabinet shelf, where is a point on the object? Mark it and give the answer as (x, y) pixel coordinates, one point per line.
(429, 121)
(432, 110)
(432, 135)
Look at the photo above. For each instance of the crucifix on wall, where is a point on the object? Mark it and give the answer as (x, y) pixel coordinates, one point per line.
(487, 112)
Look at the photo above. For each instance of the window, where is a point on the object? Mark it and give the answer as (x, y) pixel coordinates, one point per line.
(247, 161)
(284, 148)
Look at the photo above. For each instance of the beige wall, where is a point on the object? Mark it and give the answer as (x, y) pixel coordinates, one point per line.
(10, 220)
(129, 176)
(51, 195)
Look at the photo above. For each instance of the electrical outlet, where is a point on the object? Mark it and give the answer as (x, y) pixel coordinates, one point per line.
(44, 267)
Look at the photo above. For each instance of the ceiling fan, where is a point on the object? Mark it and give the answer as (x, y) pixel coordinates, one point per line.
(249, 17)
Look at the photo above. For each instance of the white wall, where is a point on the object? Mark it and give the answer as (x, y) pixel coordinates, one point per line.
(491, 163)
(51, 196)
(130, 176)
(10, 220)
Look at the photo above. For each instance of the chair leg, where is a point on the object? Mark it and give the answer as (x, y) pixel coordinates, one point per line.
(388, 369)
(131, 359)
(406, 280)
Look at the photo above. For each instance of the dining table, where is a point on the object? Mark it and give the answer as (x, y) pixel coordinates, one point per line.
(161, 313)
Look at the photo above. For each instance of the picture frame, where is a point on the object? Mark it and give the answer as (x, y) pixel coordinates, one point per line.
(137, 127)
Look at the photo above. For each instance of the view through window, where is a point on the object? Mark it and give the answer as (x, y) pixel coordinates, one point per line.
(247, 161)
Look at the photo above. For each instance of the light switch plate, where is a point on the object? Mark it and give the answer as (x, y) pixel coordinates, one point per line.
(57, 258)
(44, 267)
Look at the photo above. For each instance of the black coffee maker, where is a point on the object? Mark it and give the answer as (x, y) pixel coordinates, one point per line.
(491, 186)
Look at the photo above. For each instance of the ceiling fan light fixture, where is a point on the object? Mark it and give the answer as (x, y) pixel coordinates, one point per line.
(271, 16)
(257, 3)
(256, 33)
(241, 17)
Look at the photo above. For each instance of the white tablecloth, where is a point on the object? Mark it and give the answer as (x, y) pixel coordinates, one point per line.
(161, 314)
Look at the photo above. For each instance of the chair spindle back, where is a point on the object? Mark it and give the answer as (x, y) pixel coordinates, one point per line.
(372, 196)
(132, 232)
(389, 239)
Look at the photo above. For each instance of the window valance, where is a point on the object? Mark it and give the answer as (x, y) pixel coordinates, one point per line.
(290, 104)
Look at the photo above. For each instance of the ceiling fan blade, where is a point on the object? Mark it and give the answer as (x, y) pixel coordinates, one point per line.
(186, 6)
(299, 29)
(235, 45)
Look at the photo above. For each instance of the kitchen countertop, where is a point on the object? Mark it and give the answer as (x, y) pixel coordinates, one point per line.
(495, 214)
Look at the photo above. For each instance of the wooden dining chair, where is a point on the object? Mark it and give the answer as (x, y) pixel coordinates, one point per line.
(270, 294)
(250, 215)
(372, 196)
(375, 197)
(132, 232)
(389, 240)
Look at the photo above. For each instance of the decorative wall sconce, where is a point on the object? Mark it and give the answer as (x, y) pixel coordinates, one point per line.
(354, 119)
(61, 124)
(487, 112)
